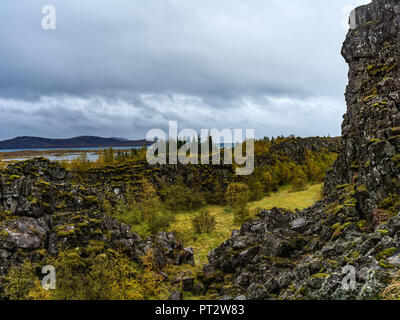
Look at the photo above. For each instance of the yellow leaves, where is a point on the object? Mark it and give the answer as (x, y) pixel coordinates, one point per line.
(150, 278)
(38, 293)
(19, 282)
(106, 276)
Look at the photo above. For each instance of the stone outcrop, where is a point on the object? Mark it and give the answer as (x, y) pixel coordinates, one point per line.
(296, 149)
(115, 178)
(210, 179)
(371, 127)
(281, 255)
(44, 210)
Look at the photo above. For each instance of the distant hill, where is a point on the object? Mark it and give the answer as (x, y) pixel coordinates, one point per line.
(77, 142)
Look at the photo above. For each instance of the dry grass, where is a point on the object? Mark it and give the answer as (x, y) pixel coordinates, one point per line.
(392, 292)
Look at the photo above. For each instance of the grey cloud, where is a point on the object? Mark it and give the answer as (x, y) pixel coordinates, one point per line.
(92, 73)
(55, 117)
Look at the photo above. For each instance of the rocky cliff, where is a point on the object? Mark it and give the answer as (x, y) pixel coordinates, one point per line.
(371, 127)
(306, 255)
(295, 149)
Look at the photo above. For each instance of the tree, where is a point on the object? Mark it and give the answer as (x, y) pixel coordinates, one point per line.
(237, 196)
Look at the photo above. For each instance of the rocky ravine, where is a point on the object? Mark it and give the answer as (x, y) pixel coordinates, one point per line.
(45, 209)
(301, 255)
(279, 255)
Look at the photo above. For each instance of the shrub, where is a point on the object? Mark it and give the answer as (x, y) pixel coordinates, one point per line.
(3, 164)
(204, 222)
(237, 194)
(105, 276)
(283, 171)
(159, 220)
(256, 190)
(198, 199)
(80, 165)
(317, 164)
(228, 209)
(128, 213)
(21, 282)
(241, 214)
(145, 216)
(216, 195)
(178, 197)
(267, 181)
(299, 180)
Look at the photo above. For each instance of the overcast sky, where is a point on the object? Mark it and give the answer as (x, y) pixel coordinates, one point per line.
(122, 67)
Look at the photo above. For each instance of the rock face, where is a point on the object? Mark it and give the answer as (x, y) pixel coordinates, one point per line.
(306, 255)
(43, 210)
(346, 246)
(295, 149)
(371, 127)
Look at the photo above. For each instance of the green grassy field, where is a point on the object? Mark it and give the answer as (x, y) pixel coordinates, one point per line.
(287, 199)
(204, 243)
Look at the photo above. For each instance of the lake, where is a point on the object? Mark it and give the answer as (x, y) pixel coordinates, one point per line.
(57, 154)
(91, 153)
(73, 149)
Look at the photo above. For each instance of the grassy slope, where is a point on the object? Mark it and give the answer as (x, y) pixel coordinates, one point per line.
(290, 200)
(204, 243)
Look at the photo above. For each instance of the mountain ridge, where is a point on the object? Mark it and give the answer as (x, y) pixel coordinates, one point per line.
(30, 142)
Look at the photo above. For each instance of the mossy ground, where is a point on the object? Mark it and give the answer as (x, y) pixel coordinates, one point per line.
(204, 243)
(286, 199)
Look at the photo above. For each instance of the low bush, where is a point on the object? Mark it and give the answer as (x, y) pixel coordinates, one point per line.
(178, 197)
(392, 292)
(241, 214)
(237, 194)
(204, 222)
(299, 180)
(107, 275)
(145, 215)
